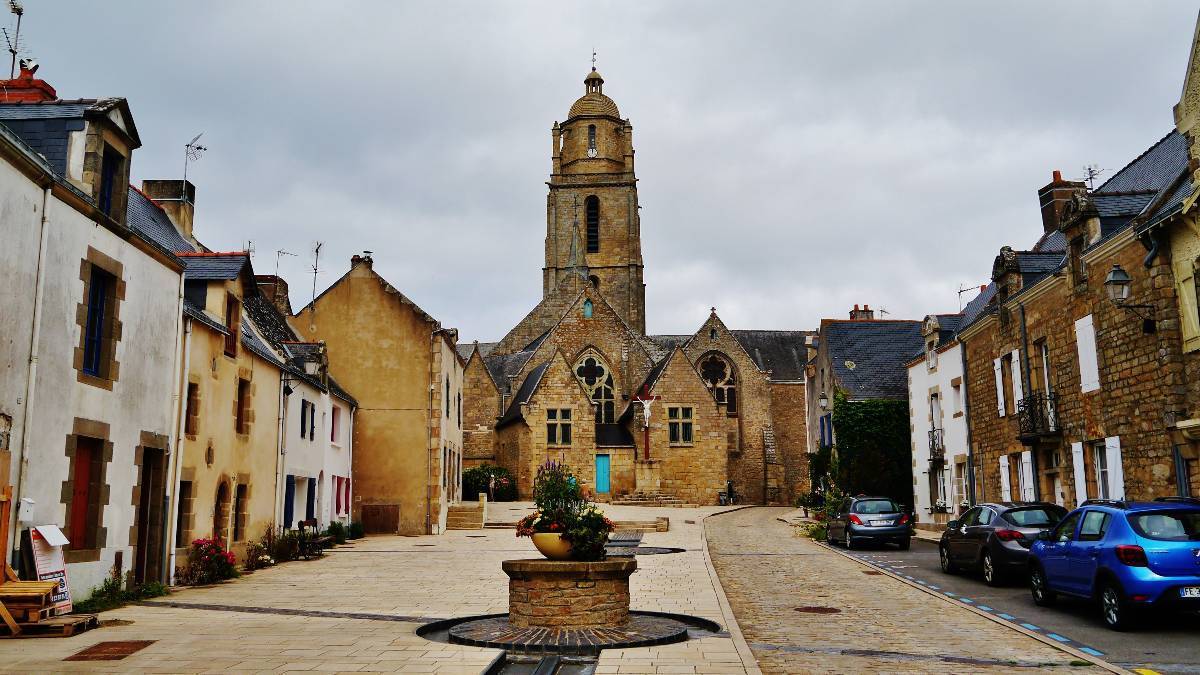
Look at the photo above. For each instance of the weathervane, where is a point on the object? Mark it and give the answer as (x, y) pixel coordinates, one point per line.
(593, 58)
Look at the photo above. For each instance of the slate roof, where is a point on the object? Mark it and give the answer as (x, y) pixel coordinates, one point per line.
(670, 342)
(268, 320)
(523, 394)
(1149, 170)
(1172, 203)
(1053, 240)
(780, 351)
(46, 125)
(251, 341)
(505, 366)
(200, 315)
(948, 326)
(1037, 266)
(868, 357)
(214, 267)
(150, 221)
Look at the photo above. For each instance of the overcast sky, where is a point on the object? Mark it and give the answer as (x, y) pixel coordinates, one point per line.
(794, 158)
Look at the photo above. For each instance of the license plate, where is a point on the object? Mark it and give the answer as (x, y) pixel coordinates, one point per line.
(1189, 592)
(881, 522)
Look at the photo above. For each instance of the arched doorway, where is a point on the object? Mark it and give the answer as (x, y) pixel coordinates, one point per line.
(220, 528)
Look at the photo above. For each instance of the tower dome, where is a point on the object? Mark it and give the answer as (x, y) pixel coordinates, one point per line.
(593, 101)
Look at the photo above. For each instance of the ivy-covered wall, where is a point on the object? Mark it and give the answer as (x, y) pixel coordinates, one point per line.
(872, 448)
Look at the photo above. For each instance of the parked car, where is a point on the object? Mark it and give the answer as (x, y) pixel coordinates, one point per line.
(1128, 557)
(864, 519)
(995, 538)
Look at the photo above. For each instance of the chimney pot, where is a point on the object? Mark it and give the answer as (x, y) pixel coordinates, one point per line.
(1053, 197)
(177, 198)
(1057, 176)
(26, 88)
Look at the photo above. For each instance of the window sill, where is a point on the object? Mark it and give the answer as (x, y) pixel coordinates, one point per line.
(81, 555)
(958, 414)
(681, 445)
(94, 380)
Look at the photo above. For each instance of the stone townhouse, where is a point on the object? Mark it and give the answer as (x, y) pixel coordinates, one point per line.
(938, 423)
(90, 342)
(407, 377)
(857, 402)
(591, 322)
(1071, 394)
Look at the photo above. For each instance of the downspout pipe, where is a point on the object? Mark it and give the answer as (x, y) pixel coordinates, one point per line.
(1152, 253)
(31, 374)
(179, 446)
(962, 350)
(174, 456)
(281, 447)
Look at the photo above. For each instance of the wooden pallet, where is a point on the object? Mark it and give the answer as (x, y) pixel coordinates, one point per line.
(59, 626)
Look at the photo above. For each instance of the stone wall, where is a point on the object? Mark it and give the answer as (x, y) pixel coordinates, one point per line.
(481, 407)
(561, 594)
(789, 419)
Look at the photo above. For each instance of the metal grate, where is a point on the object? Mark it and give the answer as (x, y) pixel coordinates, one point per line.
(110, 651)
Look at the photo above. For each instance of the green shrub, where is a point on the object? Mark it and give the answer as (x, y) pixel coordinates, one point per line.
(207, 562)
(285, 545)
(356, 530)
(476, 480)
(110, 595)
(338, 531)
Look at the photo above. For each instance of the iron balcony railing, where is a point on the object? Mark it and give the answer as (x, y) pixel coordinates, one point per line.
(937, 445)
(1038, 415)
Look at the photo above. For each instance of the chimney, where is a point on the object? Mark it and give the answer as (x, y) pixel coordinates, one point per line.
(26, 88)
(864, 314)
(1053, 197)
(177, 198)
(365, 259)
(275, 289)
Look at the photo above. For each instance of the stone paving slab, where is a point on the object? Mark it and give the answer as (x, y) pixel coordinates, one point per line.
(357, 610)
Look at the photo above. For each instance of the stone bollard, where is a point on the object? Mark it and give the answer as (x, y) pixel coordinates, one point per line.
(567, 593)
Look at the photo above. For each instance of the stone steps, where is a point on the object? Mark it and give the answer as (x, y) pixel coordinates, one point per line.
(465, 517)
(658, 499)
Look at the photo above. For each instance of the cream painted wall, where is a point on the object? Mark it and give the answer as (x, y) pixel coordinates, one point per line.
(320, 457)
(922, 382)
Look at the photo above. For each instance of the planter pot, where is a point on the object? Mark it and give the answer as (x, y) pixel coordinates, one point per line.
(552, 545)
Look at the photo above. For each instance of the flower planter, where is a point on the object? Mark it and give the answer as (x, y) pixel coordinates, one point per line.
(552, 545)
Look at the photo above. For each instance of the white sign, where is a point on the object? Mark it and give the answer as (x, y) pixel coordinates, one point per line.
(48, 559)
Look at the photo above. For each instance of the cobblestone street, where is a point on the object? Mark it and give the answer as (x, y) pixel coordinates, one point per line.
(881, 625)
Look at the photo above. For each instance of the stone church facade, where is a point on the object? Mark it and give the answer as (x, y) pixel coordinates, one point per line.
(673, 418)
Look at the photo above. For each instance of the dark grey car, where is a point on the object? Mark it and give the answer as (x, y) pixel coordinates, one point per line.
(861, 520)
(995, 538)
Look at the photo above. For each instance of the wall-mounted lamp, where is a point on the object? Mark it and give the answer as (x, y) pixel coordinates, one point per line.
(1118, 285)
(823, 401)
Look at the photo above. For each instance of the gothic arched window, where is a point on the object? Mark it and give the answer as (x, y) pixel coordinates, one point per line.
(597, 381)
(719, 376)
(587, 309)
(591, 209)
(595, 281)
(591, 140)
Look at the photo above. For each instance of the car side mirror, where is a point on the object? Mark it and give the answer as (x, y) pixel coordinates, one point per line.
(952, 525)
(1045, 535)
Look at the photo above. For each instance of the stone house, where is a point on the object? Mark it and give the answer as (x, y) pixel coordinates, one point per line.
(407, 378)
(593, 314)
(938, 423)
(89, 355)
(1072, 395)
(857, 362)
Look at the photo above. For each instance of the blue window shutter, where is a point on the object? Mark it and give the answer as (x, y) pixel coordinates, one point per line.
(289, 500)
(303, 417)
(310, 510)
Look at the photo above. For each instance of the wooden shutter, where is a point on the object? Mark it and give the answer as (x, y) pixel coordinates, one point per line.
(1089, 366)
(1005, 480)
(1080, 473)
(289, 500)
(1116, 473)
(79, 493)
(310, 508)
(1018, 394)
(999, 387)
(1027, 476)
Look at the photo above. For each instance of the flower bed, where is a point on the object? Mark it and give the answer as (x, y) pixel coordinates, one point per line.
(562, 510)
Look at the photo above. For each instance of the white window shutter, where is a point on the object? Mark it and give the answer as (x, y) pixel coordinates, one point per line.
(1027, 476)
(1089, 365)
(1016, 378)
(999, 387)
(1005, 480)
(1116, 473)
(1080, 474)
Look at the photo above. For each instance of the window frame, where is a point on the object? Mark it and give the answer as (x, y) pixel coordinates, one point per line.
(233, 323)
(558, 427)
(1105, 520)
(681, 426)
(242, 404)
(591, 217)
(1100, 468)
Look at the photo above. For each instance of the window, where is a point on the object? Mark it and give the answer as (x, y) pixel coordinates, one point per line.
(85, 493)
(447, 399)
(956, 397)
(110, 175)
(220, 529)
(588, 309)
(243, 405)
(101, 288)
(304, 418)
(335, 424)
(1095, 524)
(873, 506)
(985, 517)
(1168, 525)
(591, 208)
(931, 356)
(1035, 516)
(595, 281)
(183, 515)
(1006, 380)
(591, 150)
(679, 421)
(239, 513)
(719, 376)
(233, 320)
(1066, 529)
(597, 381)
(458, 408)
(1100, 469)
(191, 418)
(558, 426)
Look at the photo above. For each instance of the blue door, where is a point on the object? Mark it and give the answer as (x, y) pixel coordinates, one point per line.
(603, 485)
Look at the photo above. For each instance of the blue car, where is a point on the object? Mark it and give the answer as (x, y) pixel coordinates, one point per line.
(1128, 557)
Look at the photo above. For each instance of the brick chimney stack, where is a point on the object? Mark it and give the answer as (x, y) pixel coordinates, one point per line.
(864, 314)
(365, 259)
(275, 289)
(1053, 197)
(177, 198)
(26, 88)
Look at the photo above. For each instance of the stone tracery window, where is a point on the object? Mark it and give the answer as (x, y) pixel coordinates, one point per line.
(597, 381)
(719, 376)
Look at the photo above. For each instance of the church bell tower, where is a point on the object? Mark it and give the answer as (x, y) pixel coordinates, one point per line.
(593, 231)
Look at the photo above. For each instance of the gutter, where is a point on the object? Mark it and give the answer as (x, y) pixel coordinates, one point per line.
(280, 449)
(173, 511)
(31, 374)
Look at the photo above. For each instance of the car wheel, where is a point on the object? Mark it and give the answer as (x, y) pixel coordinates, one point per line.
(849, 541)
(1042, 595)
(905, 544)
(1114, 608)
(991, 575)
(828, 537)
(948, 565)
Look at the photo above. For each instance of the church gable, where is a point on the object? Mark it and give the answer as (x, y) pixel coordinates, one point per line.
(481, 407)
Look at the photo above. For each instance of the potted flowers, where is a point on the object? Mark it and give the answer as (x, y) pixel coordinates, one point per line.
(564, 526)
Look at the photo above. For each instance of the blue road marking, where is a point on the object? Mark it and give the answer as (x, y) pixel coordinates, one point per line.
(1030, 626)
(967, 600)
(1056, 636)
(1089, 650)
(984, 608)
(949, 593)
(1007, 617)
(936, 588)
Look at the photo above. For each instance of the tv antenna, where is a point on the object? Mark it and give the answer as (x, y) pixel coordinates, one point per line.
(14, 40)
(191, 152)
(316, 270)
(1090, 173)
(279, 254)
(967, 289)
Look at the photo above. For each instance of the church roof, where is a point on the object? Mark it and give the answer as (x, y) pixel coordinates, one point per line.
(782, 352)
(523, 395)
(594, 103)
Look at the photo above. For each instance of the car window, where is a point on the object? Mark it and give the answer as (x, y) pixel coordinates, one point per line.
(1066, 529)
(1095, 524)
(969, 517)
(875, 506)
(985, 517)
(1168, 525)
(1034, 516)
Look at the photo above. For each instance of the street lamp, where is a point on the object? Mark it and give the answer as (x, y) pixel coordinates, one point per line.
(1118, 285)
(823, 401)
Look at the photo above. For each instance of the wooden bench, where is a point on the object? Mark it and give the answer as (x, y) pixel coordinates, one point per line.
(312, 542)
